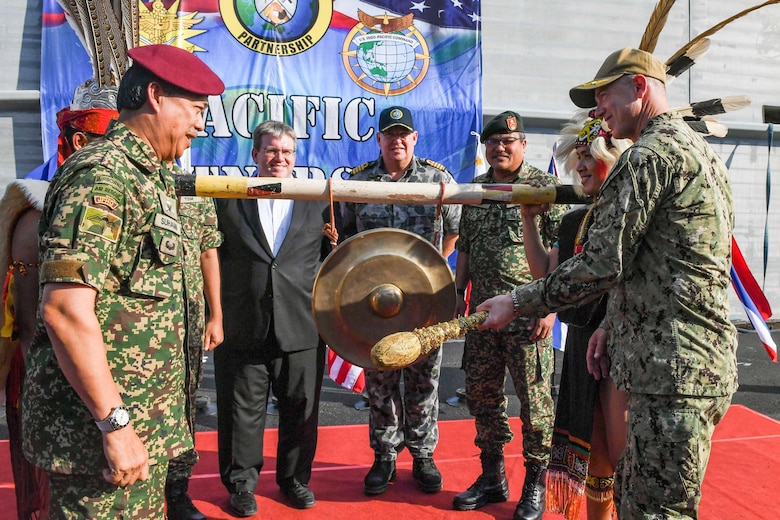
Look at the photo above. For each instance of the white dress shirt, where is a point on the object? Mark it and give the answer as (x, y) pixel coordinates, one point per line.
(275, 217)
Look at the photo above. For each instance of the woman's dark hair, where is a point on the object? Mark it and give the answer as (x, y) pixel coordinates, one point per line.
(132, 88)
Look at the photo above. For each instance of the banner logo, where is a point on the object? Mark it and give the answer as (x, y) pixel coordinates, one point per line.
(161, 25)
(385, 55)
(276, 27)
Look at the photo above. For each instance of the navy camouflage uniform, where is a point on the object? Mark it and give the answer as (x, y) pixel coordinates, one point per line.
(395, 421)
(110, 222)
(492, 236)
(660, 243)
(199, 233)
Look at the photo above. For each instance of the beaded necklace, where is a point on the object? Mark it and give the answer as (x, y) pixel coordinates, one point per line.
(582, 231)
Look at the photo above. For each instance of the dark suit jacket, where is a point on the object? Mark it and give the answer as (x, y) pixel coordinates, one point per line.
(258, 287)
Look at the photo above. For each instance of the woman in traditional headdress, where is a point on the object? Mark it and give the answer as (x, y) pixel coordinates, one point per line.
(590, 418)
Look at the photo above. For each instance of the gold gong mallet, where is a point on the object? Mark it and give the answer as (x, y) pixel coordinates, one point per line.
(402, 349)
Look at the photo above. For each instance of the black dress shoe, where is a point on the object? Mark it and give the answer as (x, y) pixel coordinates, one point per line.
(243, 503)
(426, 474)
(299, 495)
(379, 477)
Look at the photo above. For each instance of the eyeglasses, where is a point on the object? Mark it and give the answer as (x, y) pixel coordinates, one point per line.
(506, 141)
(272, 152)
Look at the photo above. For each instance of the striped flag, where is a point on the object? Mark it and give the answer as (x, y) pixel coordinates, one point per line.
(345, 373)
(752, 298)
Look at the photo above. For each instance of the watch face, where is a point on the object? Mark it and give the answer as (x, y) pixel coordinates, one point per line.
(120, 417)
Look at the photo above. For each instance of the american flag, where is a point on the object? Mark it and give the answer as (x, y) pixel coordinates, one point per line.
(345, 373)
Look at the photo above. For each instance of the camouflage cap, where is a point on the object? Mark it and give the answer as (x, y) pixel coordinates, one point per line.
(618, 64)
(396, 116)
(178, 67)
(503, 123)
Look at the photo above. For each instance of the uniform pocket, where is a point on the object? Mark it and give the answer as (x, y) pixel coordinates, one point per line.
(156, 264)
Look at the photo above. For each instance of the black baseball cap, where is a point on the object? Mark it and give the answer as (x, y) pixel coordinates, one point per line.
(395, 116)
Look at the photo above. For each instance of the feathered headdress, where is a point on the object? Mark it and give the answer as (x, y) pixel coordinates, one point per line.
(107, 29)
(698, 115)
(687, 55)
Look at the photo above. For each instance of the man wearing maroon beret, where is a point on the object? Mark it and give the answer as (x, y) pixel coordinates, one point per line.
(103, 408)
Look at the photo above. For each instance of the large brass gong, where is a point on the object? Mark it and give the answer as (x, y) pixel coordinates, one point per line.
(376, 283)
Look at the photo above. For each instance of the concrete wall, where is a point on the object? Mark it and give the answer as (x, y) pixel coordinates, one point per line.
(533, 52)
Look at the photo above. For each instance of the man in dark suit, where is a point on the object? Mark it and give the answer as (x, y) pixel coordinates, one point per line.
(270, 256)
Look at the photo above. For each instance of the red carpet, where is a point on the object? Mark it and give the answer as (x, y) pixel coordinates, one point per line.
(742, 479)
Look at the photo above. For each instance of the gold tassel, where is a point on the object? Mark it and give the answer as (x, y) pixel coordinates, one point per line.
(655, 25)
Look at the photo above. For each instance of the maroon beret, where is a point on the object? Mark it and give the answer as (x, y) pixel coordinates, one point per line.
(178, 67)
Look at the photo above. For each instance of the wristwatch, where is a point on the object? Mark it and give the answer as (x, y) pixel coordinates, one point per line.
(515, 302)
(117, 419)
(460, 292)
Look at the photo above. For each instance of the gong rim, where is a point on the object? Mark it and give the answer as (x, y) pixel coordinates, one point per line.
(376, 283)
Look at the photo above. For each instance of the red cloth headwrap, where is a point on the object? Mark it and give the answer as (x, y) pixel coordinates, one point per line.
(93, 121)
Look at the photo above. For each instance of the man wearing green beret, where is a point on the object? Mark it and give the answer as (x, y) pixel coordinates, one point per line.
(491, 256)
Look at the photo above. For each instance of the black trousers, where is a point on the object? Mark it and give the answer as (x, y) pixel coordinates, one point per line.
(243, 379)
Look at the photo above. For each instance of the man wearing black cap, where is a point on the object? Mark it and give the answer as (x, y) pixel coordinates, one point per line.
(491, 256)
(103, 406)
(660, 245)
(409, 420)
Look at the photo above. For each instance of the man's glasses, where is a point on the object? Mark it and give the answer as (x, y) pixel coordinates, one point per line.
(506, 141)
(273, 152)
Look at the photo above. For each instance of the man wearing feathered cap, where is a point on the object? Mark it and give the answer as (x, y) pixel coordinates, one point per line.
(103, 409)
(491, 257)
(660, 245)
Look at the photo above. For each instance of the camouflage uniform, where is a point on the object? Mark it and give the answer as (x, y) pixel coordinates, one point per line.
(492, 236)
(661, 241)
(199, 233)
(110, 223)
(392, 423)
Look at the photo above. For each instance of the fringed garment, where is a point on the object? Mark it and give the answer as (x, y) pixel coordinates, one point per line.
(570, 452)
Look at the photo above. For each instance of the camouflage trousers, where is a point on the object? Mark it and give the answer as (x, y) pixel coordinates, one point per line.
(89, 496)
(667, 450)
(486, 357)
(180, 468)
(409, 420)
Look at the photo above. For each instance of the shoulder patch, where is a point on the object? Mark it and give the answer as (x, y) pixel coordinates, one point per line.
(98, 222)
(360, 168)
(438, 166)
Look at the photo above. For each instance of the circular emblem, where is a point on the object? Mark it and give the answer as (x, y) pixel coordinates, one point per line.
(396, 114)
(385, 55)
(276, 27)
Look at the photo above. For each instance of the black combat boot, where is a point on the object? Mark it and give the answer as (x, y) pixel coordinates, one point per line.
(426, 474)
(180, 506)
(379, 476)
(491, 486)
(531, 506)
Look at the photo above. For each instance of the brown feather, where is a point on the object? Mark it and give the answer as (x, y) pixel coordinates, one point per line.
(687, 59)
(712, 30)
(655, 25)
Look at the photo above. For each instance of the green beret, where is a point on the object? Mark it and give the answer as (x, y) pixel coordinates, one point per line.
(504, 123)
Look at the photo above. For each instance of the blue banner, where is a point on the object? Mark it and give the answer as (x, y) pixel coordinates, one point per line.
(327, 68)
